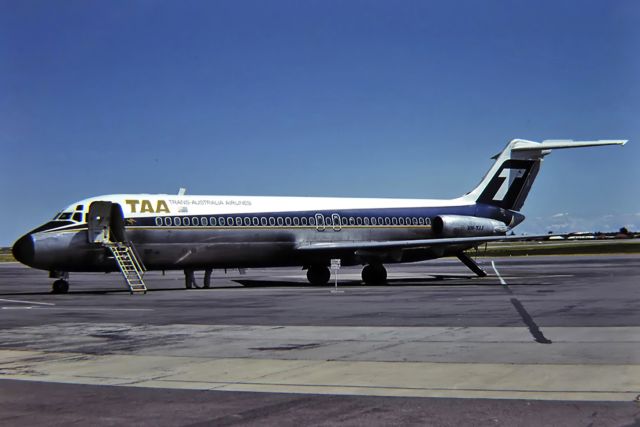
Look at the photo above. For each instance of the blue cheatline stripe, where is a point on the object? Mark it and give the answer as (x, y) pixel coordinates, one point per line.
(352, 218)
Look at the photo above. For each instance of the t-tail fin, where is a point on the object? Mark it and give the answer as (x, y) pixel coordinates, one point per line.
(509, 180)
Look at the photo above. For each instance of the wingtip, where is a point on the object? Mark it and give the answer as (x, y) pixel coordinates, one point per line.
(615, 141)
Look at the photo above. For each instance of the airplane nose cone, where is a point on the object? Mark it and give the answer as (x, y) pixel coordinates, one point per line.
(23, 250)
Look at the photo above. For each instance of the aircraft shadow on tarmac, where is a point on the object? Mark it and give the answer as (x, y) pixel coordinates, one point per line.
(77, 292)
(431, 280)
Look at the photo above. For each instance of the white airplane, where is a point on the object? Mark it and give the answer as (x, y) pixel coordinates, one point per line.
(134, 232)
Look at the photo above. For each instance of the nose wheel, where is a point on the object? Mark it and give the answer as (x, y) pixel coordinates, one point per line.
(60, 287)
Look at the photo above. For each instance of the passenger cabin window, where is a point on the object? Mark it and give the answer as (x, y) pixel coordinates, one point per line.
(394, 221)
(303, 220)
(421, 221)
(287, 221)
(195, 221)
(263, 221)
(359, 221)
(186, 221)
(247, 221)
(280, 222)
(255, 221)
(366, 220)
(272, 221)
(159, 221)
(167, 221)
(373, 221)
(296, 220)
(401, 221)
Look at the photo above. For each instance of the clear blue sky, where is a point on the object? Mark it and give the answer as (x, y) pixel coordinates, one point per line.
(322, 98)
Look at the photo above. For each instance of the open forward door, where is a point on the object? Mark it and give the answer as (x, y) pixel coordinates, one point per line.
(105, 223)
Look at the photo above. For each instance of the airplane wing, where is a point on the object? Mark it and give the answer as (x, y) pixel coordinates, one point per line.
(409, 244)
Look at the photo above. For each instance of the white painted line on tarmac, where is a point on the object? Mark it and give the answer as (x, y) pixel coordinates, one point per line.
(26, 302)
(93, 309)
(502, 282)
(542, 276)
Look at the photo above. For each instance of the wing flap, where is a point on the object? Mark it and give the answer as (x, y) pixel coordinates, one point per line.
(408, 244)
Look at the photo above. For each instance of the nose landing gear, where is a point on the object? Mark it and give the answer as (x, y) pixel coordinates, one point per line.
(60, 286)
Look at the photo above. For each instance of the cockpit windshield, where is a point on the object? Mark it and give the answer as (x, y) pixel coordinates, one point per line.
(63, 216)
(72, 213)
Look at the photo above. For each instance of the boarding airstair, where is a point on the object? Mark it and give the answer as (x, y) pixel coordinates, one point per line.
(132, 269)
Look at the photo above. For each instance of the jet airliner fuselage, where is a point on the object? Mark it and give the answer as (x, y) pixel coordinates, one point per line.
(204, 232)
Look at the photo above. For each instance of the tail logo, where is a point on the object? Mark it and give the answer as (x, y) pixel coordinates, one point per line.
(506, 184)
(509, 176)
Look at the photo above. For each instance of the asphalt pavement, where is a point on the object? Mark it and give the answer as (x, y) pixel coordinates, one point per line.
(540, 341)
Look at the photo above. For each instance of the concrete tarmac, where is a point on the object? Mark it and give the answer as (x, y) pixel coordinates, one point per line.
(542, 340)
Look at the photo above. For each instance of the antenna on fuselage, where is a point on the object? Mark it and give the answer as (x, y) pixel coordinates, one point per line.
(182, 191)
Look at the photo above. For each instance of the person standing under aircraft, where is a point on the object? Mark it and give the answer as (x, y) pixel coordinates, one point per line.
(190, 279)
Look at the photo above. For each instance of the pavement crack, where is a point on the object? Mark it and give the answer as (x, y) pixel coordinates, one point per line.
(531, 324)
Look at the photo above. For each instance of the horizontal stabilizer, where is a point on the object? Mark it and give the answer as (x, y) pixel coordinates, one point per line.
(554, 144)
(509, 180)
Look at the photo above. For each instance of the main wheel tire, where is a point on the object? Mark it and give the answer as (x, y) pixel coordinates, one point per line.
(374, 274)
(318, 275)
(60, 287)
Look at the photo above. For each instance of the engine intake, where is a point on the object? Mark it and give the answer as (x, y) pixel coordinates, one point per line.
(466, 226)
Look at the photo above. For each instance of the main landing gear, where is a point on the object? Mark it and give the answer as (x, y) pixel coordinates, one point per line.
(318, 275)
(374, 274)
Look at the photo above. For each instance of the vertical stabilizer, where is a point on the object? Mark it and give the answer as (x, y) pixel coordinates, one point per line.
(509, 180)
